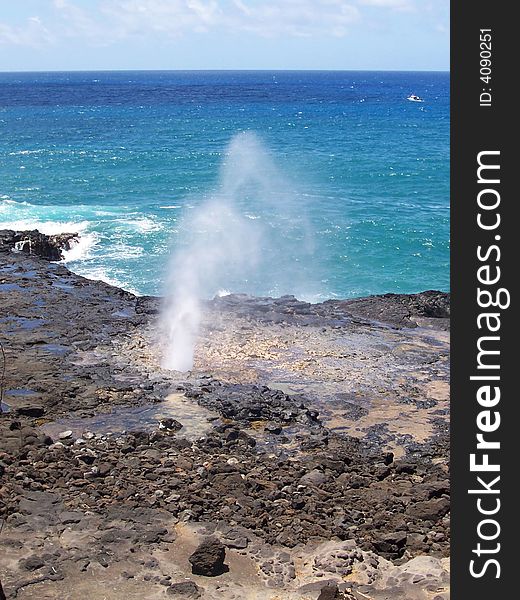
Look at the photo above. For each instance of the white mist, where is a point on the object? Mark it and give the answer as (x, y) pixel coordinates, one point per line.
(224, 244)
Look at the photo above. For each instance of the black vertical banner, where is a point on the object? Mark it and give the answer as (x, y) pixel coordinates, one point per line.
(484, 265)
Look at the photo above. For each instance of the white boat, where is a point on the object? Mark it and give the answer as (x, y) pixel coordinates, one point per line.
(414, 98)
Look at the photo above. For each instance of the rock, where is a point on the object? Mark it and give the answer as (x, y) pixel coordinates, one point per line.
(170, 424)
(239, 543)
(48, 247)
(392, 544)
(65, 435)
(34, 411)
(2, 594)
(115, 536)
(127, 575)
(32, 563)
(430, 510)
(69, 517)
(314, 478)
(401, 309)
(186, 589)
(208, 558)
(154, 535)
(104, 469)
(273, 428)
(388, 458)
(329, 592)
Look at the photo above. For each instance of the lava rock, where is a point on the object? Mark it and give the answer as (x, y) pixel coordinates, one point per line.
(314, 478)
(208, 558)
(329, 592)
(170, 424)
(186, 589)
(48, 247)
(30, 411)
(430, 510)
(32, 563)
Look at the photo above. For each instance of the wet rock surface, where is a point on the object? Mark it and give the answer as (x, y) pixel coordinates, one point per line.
(48, 247)
(322, 467)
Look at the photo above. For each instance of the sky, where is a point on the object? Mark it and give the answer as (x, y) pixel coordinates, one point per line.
(50, 35)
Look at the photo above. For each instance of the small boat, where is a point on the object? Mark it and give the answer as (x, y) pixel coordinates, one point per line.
(414, 98)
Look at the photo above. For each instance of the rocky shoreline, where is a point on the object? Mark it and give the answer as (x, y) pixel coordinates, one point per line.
(309, 444)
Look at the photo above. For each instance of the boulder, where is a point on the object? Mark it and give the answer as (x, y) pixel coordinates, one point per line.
(48, 247)
(314, 478)
(330, 591)
(30, 411)
(208, 558)
(430, 510)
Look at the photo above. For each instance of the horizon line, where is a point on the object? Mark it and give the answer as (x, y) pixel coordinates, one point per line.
(227, 70)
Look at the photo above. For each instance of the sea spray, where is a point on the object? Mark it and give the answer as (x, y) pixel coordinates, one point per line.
(223, 242)
(230, 238)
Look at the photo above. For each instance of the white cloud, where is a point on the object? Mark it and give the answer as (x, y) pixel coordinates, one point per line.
(392, 4)
(74, 21)
(31, 33)
(107, 21)
(267, 18)
(294, 17)
(170, 17)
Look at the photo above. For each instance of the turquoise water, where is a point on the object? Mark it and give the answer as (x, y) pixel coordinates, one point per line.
(357, 176)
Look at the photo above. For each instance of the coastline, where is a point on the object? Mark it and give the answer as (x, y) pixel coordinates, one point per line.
(315, 444)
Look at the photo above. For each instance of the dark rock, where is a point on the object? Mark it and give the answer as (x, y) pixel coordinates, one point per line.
(153, 535)
(32, 563)
(104, 469)
(329, 592)
(30, 411)
(314, 478)
(388, 458)
(127, 575)
(392, 544)
(69, 517)
(239, 543)
(115, 536)
(187, 589)
(48, 247)
(273, 428)
(245, 404)
(401, 310)
(208, 558)
(430, 510)
(170, 424)
(103, 560)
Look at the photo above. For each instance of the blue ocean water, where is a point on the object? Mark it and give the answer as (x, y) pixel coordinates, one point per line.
(124, 157)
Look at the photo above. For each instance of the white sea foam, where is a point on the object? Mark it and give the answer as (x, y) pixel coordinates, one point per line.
(120, 250)
(141, 224)
(100, 274)
(46, 227)
(81, 247)
(222, 293)
(26, 152)
(8, 203)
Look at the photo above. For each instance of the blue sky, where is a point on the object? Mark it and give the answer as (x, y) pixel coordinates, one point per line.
(224, 34)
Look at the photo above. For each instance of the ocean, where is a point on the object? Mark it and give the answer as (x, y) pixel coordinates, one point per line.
(342, 182)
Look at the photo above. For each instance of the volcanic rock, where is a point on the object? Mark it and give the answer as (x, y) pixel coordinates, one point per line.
(186, 589)
(48, 247)
(208, 558)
